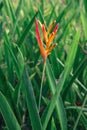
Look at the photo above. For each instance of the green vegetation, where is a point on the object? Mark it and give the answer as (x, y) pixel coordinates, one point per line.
(38, 95)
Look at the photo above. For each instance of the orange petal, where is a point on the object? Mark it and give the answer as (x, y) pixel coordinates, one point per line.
(44, 33)
(51, 48)
(43, 53)
(50, 27)
(48, 51)
(52, 36)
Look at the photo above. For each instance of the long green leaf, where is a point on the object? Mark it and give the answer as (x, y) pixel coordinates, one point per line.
(25, 32)
(53, 126)
(7, 9)
(84, 23)
(3, 83)
(17, 59)
(19, 8)
(78, 71)
(8, 114)
(65, 74)
(14, 17)
(31, 102)
(85, 5)
(8, 60)
(59, 104)
(1, 5)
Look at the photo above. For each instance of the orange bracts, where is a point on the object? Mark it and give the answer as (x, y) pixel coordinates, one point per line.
(45, 51)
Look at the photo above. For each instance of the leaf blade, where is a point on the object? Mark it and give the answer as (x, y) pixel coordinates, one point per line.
(8, 114)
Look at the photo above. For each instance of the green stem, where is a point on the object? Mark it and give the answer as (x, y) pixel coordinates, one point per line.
(41, 85)
(80, 113)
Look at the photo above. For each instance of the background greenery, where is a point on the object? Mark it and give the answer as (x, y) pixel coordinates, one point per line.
(64, 93)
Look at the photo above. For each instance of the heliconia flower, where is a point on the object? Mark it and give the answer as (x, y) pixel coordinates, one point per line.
(48, 38)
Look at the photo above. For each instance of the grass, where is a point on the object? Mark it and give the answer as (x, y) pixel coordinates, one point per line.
(34, 95)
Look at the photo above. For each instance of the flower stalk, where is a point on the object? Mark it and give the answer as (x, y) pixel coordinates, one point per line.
(45, 51)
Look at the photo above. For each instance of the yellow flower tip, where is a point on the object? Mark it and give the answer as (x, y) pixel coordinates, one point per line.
(52, 36)
(40, 23)
(48, 52)
(53, 46)
(51, 26)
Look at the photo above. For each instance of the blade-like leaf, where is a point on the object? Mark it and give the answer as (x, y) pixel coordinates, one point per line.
(31, 103)
(59, 104)
(85, 5)
(65, 74)
(84, 23)
(25, 32)
(3, 83)
(8, 114)
(1, 5)
(53, 127)
(17, 59)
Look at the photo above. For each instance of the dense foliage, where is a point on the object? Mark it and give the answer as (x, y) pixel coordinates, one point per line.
(37, 95)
